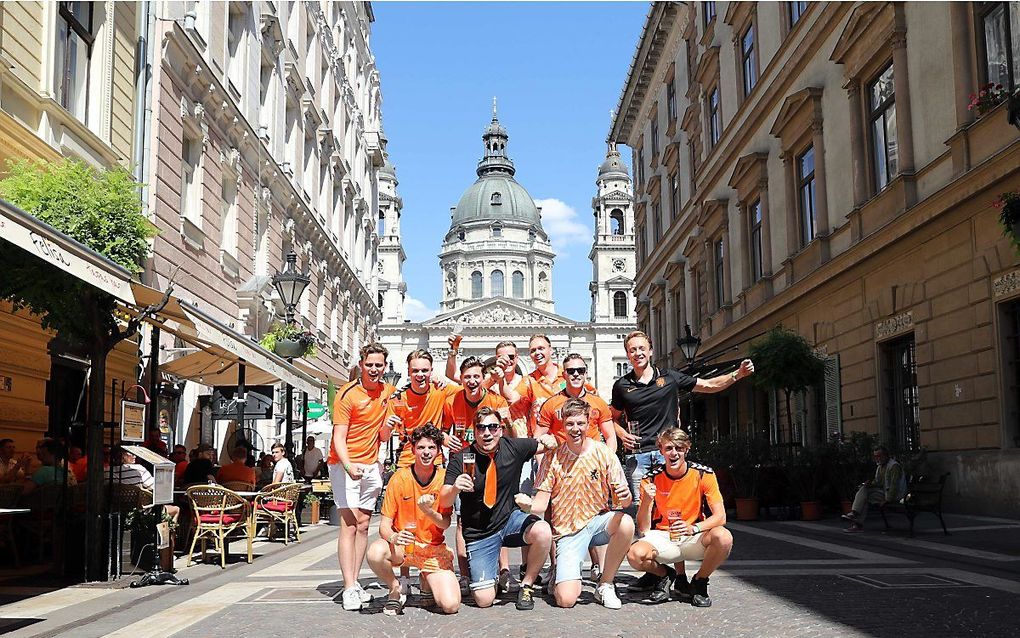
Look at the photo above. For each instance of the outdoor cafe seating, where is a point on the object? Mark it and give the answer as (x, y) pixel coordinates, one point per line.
(277, 503)
(217, 513)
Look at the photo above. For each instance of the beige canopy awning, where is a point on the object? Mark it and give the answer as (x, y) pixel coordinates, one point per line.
(60, 251)
(220, 349)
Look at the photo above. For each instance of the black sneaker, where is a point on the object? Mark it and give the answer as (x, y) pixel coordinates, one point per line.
(538, 578)
(699, 591)
(682, 588)
(661, 592)
(526, 598)
(647, 582)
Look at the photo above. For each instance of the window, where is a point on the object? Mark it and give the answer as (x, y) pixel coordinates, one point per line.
(461, 235)
(616, 222)
(674, 195)
(622, 368)
(517, 281)
(806, 195)
(380, 226)
(719, 263)
(619, 304)
(748, 60)
(640, 166)
(655, 134)
(497, 230)
(656, 222)
(379, 300)
(671, 100)
(476, 285)
(235, 37)
(797, 10)
(902, 413)
(496, 199)
(496, 283)
(882, 115)
(714, 117)
(1009, 326)
(1000, 31)
(74, 53)
(697, 296)
(228, 214)
(709, 13)
(754, 216)
(191, 154)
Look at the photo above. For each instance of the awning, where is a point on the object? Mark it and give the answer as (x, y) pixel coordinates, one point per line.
(222, 349)
(55, 248)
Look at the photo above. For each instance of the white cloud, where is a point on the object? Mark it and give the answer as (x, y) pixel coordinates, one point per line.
(416, 310)
(564, 226)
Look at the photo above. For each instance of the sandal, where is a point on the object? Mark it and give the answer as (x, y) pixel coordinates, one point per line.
(395, 606)
(427, 599)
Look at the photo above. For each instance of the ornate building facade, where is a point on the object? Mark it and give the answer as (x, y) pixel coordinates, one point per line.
(816, 165)
(496, 262)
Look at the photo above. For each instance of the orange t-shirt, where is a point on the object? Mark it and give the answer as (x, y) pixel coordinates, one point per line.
(682, 494)
(459, 410)
(401, 504)
(579, 486)
(533, 391)
(364, 413)
(236, 472)
(421, 409)
(549, 415)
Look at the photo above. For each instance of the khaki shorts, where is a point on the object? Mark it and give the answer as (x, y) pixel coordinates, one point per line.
(669, 552)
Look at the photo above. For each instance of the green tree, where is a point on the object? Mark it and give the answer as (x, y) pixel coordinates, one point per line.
(784, 360)
(102, 210)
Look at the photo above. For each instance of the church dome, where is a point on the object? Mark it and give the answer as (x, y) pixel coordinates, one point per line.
(496, 195)
(613, 166)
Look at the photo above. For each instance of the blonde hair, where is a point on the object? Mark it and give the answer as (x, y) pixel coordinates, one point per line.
(637, 334)
(676, 436)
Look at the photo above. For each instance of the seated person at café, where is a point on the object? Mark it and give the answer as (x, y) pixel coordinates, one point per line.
(130, 472)
(180, 458)
(264, 471)
(237, 470)
(12, 466)
(52, 471)
(200, 469)
(283, 471)
(78, 463)
(412, 526)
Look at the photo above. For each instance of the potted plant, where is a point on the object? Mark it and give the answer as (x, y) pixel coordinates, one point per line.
(804, 474)
(987, 98)
(142, 523)
(748, 457)
(1008, 204)
(785, 361)
(289, 341)
(312, 502)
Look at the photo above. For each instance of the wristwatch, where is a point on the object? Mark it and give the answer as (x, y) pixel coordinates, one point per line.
(696, 528)
(734, 375)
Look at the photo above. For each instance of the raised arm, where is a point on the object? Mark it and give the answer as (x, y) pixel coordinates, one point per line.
(723, 381)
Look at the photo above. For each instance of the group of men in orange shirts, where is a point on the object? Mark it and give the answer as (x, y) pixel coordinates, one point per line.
(532, 462)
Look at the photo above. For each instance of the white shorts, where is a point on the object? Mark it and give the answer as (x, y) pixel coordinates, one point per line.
(354, 494)
(669, 552)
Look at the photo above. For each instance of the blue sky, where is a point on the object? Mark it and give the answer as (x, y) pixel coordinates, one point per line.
(557, 70)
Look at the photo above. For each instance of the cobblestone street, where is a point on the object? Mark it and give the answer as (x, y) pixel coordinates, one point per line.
(784, 579)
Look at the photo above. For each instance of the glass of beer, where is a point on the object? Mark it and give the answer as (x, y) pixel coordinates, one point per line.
(457, 332)
(412, 527)
(614, 498)
(673, 516)
(459, 431)
(469, 464)
(633, 427)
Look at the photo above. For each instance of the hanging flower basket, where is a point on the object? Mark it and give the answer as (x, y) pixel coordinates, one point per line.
(1008, 205)
(987, 98)
(289, 341)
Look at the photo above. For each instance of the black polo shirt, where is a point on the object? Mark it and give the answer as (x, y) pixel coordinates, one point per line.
(478, 520)
(654, 404)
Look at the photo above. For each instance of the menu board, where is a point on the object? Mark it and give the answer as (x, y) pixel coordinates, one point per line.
(132, 421)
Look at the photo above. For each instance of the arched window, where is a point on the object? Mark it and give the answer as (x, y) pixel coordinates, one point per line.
(616, 222)
(620, 304)
(381, 226)
(496, 199)
(476, 285)
(497, 230)
(496, 283)
(518, 284)
(460, 235)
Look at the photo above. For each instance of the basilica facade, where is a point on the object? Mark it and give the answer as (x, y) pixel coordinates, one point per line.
(496, 262)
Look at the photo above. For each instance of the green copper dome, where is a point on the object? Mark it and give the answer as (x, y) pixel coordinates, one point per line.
(496, 195)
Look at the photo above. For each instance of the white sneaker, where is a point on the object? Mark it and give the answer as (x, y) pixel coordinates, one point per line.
(605, 594)
(352, 599)
(363, 595)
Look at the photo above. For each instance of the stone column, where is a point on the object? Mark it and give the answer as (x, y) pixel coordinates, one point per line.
(747, 273)
(963, 61)
(766, 228)
(904, 121)
(792, 205)
(727, 263)
(859, 174)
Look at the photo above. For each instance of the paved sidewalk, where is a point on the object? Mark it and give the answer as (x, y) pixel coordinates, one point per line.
(784, 579)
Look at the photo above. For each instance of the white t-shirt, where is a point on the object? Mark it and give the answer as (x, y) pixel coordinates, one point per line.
(312, 459)
(133, 474)
(283, 465)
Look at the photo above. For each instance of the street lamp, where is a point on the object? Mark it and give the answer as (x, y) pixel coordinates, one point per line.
(290, 284)
(391, 376)
(689, 345)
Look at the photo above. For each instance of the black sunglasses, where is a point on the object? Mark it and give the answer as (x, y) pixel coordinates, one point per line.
(573, 371)
(491, 427)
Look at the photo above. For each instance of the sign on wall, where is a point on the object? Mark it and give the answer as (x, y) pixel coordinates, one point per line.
(132, 421)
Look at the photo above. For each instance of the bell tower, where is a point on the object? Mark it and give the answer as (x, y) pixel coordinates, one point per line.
(612, 253)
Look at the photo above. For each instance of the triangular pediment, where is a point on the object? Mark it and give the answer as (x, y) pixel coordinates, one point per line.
(617, 194)
(498, 312)
(620, 280)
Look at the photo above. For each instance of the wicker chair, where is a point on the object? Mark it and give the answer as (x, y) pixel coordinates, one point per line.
(218, 512)
(239, 486)
(9, 495)
(277, 503)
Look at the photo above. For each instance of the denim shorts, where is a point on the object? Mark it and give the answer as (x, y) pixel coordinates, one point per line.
(635, 467)
(572, 550)
(483, 554)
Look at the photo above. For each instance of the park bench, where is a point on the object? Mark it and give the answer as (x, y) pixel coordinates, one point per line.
(923, 495)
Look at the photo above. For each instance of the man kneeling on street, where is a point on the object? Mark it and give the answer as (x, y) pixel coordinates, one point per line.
(670, 517)
(486, 476)
(412, 526)
(579, 479)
